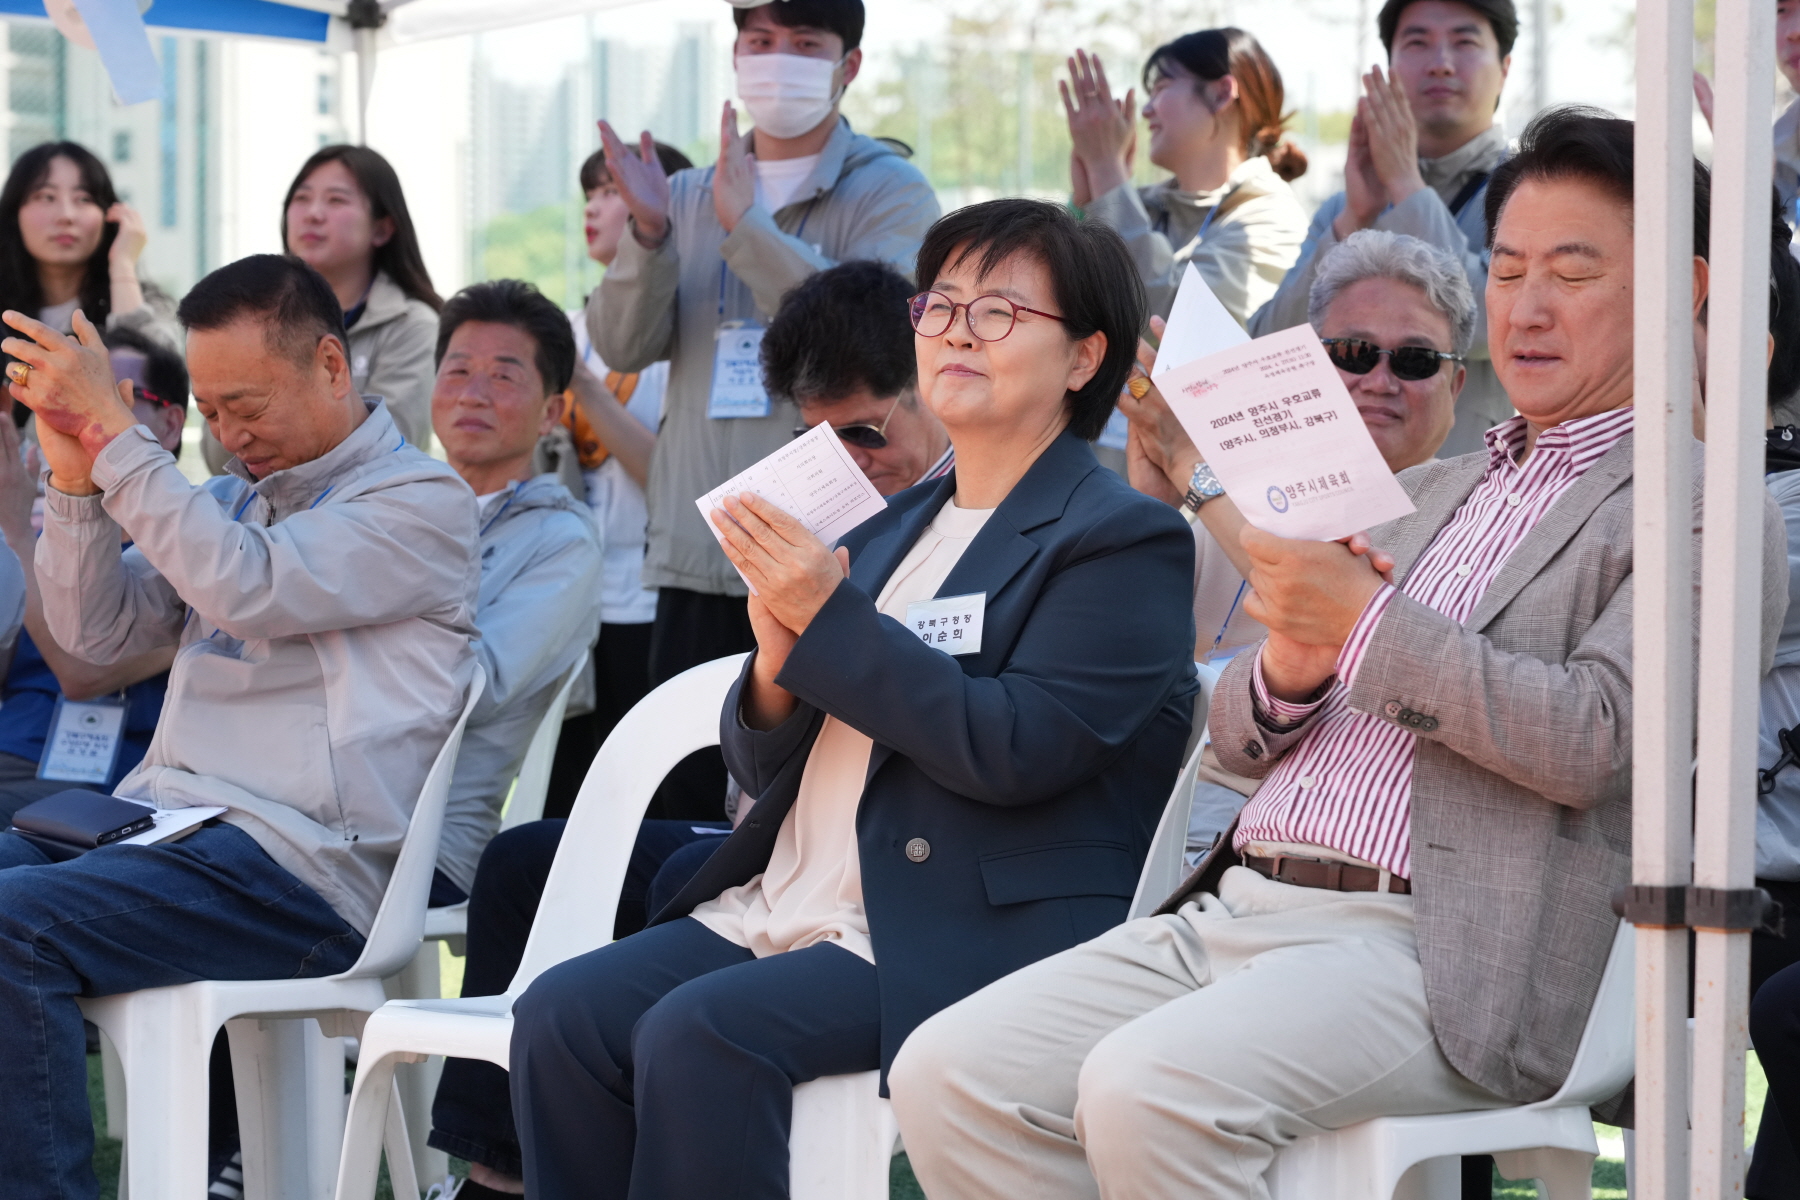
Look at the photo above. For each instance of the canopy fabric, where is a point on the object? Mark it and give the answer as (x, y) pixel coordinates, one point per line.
(257, 18)
(314, 21)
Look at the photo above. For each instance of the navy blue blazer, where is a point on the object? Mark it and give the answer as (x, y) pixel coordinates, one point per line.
(1035, 771)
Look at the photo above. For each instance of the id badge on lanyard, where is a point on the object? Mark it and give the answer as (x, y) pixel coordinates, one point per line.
(85, 737)
(737, 382)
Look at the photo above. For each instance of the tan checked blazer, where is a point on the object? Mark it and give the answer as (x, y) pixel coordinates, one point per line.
(1521, 793)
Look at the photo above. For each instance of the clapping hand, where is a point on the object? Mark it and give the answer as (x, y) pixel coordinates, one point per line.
(642, 184)
(1383, 164)
(734, 179)
(1103, 131)
(1310, 595)
(69, 384)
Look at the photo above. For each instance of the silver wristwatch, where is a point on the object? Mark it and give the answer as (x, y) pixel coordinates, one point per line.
(1203, 485)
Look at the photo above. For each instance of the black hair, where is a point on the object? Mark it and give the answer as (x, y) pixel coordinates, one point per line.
(843, 329)
(842, 17)
(295, 304)
(1784, 310)
(20, 287)
(594, 172)
(517, 303)
(1576, 142)
(1096, 286)
(399, 257)
(165, 371)
(1500, 15)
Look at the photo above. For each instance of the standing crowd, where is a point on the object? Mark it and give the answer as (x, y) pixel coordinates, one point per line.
(1413, 806)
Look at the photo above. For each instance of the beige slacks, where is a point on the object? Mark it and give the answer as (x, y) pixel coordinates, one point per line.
(1174, 1055)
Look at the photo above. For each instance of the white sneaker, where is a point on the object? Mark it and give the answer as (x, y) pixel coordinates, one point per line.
(444, 1189)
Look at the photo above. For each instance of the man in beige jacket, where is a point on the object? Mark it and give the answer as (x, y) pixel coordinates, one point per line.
(321, 598)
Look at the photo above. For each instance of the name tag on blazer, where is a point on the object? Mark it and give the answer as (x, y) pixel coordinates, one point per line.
(949, 623)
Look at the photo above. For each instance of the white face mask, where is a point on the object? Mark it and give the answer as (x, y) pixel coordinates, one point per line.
(786, 94)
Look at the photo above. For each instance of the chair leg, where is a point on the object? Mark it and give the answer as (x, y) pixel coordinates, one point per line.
(112, 1076)
(401, 1176)
(1565, 1174)
(370, 1126)
(164, 1042)
(416, 1085)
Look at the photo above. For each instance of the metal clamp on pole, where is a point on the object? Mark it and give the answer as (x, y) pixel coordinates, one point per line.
(1725, 910)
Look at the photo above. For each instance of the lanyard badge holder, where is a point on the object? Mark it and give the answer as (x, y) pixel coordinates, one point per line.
(737, 384)
(84, 742)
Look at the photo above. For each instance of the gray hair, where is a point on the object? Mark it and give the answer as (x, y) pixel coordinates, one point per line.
(1381, 254)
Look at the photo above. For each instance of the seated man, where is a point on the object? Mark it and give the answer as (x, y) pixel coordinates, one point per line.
(42, 674)
(841, 346)
(321, 596)
(505, 354)
(1445, 801)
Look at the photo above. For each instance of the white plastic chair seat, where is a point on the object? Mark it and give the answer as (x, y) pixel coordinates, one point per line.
(1415, 1158)
(291, 1108)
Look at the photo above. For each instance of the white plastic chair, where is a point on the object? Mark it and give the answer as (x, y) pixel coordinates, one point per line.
(574, 916)
(844, 1134)
(290, 1108)
(1417, 1158)
(451, 922)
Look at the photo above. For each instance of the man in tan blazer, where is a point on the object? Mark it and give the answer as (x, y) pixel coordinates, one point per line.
(1413, 911)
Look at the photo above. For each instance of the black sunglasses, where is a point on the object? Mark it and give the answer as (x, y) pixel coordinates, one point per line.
(862, 435)
(1411, 363)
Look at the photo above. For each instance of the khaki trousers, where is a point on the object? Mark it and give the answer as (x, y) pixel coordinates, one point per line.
(1174, 1055)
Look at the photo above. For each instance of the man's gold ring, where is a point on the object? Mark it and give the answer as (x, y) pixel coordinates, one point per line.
(18, 372)
(1137, 385)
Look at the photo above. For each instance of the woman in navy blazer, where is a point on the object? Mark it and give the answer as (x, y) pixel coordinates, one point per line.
(1009, 794)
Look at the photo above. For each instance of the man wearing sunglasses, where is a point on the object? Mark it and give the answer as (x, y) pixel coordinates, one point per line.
(841, 347)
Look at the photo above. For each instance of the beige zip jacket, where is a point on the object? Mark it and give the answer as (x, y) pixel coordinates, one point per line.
(324, 617)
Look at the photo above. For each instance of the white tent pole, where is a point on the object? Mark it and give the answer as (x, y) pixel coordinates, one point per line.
(1731, 566)
(1663, 692)
(365, 80)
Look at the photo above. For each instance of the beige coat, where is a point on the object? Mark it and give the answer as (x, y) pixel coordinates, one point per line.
(323, 617)
(1521, 792)
(1254, 235)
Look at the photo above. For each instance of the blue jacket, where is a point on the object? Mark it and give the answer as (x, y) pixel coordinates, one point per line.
(1035, 770)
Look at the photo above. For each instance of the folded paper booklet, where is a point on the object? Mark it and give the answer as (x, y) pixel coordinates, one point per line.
(1273, 419)
(813, 479)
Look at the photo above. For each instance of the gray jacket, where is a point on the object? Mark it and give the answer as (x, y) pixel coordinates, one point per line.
(538, 614)
(393, 352)
(1521, 791)
(1425, 215)
(1242, 237)
(324, 617)
(862, 201)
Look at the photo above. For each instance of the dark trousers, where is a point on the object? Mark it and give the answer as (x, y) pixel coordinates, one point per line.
(662, 1067)
(1775, 1032)
(472, 1116)
(693, 628)
(119, 919)
(621, 679)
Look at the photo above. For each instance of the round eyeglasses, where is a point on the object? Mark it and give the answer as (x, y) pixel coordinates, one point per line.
(990, 318)
(1411, 363)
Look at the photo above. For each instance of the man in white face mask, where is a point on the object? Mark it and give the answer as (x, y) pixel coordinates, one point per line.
(709, 256)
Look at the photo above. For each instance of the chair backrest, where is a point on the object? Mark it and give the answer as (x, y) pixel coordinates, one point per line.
(1166, 865)
(399, 922)
(582, 894)
(533, 783)
(1607, 1056)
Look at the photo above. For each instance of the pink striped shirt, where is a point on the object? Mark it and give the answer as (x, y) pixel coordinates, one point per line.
(1347, 784)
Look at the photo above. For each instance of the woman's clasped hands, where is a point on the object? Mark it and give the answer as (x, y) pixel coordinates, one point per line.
(791, 574)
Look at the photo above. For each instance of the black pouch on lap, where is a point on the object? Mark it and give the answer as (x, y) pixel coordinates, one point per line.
(69, 824)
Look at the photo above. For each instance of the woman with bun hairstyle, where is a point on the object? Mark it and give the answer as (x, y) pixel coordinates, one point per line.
(67, 243)
(1214, 110)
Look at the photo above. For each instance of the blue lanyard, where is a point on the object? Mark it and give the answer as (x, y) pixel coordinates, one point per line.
(724, 270)
(1229, 613)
